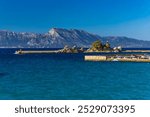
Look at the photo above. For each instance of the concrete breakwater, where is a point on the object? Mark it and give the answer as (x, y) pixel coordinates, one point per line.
(66, 49)
(35, 52)
(122, 58)
(136, 51)
(71, 51)
(95, 58)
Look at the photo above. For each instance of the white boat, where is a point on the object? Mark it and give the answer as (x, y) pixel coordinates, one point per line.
(115, 60)
(18, 52)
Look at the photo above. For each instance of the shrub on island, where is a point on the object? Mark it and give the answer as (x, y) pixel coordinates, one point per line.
(97, 46)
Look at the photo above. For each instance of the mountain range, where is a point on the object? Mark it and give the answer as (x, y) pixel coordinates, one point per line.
(58, 38)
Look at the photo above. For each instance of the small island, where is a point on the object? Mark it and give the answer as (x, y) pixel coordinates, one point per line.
(96, 46)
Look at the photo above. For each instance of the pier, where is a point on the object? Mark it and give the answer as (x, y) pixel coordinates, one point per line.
(76, 50)
(36, 52)
(137, 51)
(121, 58)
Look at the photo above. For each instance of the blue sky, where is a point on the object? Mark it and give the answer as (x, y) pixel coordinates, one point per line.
(104, 17)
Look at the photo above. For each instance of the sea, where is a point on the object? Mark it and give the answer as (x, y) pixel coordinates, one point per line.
(69, 77)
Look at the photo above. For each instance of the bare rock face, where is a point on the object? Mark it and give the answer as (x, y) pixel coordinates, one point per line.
(73, 49)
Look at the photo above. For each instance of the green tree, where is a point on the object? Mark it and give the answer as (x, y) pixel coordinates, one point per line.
(97, 45)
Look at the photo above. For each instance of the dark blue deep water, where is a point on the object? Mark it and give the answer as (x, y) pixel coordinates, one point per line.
(68, 76)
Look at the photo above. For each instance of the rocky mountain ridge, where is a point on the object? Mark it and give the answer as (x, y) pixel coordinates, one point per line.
(58, 38)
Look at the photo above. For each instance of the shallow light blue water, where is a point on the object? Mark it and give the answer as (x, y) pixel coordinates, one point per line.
(68, 76)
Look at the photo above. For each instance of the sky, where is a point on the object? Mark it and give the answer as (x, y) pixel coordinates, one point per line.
(129, 18)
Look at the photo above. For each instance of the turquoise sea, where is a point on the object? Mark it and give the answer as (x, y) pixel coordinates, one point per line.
(68, 76)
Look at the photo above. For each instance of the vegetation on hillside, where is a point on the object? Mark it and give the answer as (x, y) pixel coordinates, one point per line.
(98, 46)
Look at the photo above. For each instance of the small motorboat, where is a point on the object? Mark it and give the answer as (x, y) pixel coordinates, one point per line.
(18, 52)
(115, 60)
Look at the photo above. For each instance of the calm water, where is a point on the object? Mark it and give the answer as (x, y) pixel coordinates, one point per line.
(68, 76)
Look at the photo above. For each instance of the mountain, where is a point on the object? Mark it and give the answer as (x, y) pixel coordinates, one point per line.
(58, 38)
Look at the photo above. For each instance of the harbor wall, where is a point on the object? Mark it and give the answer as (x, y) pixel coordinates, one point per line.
(104, 58)
(95, 58)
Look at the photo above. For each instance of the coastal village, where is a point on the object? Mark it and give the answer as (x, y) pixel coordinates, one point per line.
(97, 47)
